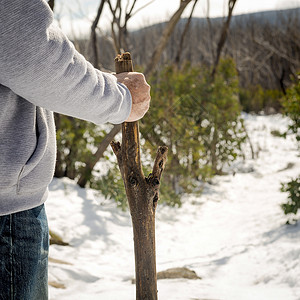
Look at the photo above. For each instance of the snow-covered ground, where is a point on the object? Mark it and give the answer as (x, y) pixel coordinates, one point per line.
(234, 235)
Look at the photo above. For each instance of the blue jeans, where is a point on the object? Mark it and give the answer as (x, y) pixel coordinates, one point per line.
(24, 246)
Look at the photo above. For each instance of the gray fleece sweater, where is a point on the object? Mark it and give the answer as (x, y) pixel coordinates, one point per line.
(41, 72)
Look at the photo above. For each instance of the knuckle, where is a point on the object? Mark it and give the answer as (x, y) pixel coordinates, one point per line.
(138, 76)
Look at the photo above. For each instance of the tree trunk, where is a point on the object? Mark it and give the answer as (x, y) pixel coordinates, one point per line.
(184, 33)
(223, 36)
(162, 43)
(59, 166)
(94, 42)
(90, 164)
(142, 194)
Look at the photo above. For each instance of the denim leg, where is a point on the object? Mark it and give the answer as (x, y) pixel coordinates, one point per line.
(24, 246)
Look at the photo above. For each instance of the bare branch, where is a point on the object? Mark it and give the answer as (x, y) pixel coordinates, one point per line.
(269, 47)
(94, 34)
(210, 31)
(165, 37)
(132, 6)
(223, 36)
(186, 28)
(127, 5)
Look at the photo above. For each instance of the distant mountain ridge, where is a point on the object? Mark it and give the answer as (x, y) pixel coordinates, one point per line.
(268, 16)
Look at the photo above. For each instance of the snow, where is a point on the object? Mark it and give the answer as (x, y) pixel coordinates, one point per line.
(234, 235)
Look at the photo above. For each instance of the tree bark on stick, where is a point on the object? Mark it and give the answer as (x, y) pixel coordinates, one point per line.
(142, 194)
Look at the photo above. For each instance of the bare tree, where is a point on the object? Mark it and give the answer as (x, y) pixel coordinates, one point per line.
(161, 45)
(94, 42)
(210, 31)
(119, 29)
(186, 28)
(223, 36)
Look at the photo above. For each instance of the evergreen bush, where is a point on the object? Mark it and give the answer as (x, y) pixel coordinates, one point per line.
(291, 106)
(256, 99)
(293, 189)
(199, 120)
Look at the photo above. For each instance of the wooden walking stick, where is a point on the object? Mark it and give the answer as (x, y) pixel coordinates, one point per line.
(142, 194)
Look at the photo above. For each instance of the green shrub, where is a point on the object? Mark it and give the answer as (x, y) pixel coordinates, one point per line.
(199, 120)
(293, 189)
(76, 144)
(291, 106)
(111, 186)
(256, 99)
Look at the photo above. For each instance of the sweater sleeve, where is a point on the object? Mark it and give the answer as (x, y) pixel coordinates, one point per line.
(40, 64)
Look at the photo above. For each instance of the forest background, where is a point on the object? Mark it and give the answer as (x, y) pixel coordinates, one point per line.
(204, 72)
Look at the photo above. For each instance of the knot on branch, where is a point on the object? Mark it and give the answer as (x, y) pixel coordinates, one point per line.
(160, 161)
(148, 178)
(132, 180)
(162, 149)
(155, 182)
(116, 146)
(161, 164)
(155, 200)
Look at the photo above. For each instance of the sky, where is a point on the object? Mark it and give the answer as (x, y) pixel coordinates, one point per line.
(76, 16)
